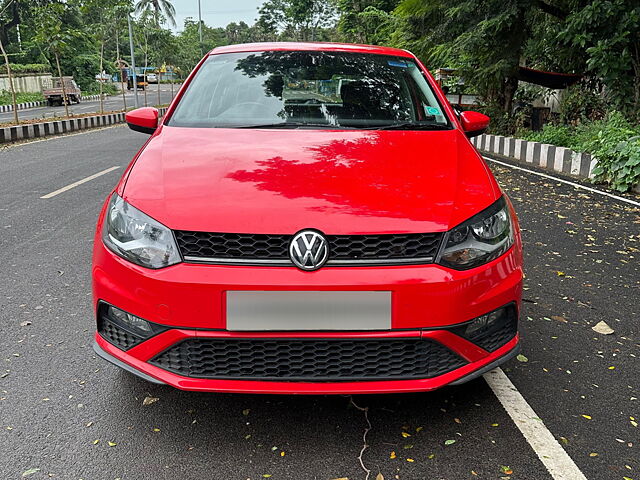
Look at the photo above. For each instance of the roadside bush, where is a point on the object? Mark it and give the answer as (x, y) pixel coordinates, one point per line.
(559, 135)
(93, 88)
(582, 103)
(25, 68)
(617, 148)
(614, 141)
(501, 123)
(5, 97)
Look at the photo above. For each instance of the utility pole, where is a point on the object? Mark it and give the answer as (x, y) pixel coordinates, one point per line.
(133, 63)
(200, 25)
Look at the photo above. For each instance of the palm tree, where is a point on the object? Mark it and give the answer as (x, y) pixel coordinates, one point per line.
(158, 6)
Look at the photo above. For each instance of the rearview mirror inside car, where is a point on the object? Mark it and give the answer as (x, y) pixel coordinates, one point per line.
(143, 120)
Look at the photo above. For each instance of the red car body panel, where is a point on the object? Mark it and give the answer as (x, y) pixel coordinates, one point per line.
(279, 182)
(341, 182)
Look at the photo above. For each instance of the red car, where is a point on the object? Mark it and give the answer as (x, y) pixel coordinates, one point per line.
(307, 218)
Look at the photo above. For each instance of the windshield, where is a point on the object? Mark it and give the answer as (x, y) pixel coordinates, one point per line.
(309, 89)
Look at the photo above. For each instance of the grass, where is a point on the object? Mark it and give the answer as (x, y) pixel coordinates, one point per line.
(5, 97)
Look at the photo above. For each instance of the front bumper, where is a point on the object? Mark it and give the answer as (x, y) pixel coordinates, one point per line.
(190, 300)
(155, 374)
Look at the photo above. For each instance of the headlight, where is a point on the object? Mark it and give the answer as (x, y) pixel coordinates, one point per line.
(137, 237)
(482, 238)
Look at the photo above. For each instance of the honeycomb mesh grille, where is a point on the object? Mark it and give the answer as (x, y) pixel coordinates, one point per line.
(117, 336)
(308, 359)
(343, 249)
(494, 339)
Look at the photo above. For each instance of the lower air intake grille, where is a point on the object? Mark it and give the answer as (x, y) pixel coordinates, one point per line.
(115, 335)
(308, 359)
(495, 338)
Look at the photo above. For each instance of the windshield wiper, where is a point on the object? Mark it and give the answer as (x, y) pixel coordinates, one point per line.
(292, 125)
(411, 126)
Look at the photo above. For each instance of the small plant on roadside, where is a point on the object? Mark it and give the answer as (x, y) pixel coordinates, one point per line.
(582, 103)
(21, 97)
(94, 89)
(559, 135)
(614, 141)
(616, 145)
(619, 164)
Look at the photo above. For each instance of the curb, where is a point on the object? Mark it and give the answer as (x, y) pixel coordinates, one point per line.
(57, 127)
(559, 159)
(21, 106)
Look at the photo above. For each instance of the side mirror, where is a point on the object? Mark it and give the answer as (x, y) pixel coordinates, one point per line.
(474, 123)
(143, 120)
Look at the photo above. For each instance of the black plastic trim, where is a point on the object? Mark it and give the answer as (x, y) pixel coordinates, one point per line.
(125, 366)
(309, 379)
(102, 305)
(487, 368)
(141, 129)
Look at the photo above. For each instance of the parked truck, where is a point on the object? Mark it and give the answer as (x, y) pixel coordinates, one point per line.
(53, 92)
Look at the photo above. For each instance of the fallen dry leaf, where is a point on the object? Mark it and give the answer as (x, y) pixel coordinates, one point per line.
(602, 328)
(149, 400)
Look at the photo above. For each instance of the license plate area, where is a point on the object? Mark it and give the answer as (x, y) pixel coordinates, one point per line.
(308, 310)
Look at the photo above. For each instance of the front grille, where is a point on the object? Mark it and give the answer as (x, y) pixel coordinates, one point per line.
(308, 359)
(236, 248)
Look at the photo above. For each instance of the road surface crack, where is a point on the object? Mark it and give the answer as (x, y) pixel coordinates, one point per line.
(365, 410)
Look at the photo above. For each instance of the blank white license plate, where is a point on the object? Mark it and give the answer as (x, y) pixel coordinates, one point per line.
(305, 310)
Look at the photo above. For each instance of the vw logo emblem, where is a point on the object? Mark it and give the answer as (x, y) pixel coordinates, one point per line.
(308, 250)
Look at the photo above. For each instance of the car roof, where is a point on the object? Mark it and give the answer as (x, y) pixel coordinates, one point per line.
(310, 46)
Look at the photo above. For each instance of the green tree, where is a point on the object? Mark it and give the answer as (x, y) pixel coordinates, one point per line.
(302, 19)
(485, 48)
(605, 35)
(367, 21)
(54, 34)
(160, 8)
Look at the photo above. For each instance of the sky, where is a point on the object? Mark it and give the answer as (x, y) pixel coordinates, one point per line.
(217, 13)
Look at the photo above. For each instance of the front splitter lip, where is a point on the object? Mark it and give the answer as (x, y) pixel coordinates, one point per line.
(157, 375)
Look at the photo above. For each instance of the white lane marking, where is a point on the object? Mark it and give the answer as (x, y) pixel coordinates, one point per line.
(79, 182)
(576, 185)
(551, 454)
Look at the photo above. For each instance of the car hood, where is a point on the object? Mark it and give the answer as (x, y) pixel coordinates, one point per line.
(281, 181)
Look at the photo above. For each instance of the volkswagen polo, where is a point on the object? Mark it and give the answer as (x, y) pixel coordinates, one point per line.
(307, 218)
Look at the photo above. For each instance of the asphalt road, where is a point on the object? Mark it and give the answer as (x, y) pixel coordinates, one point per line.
(111, 103)
(60, 406)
